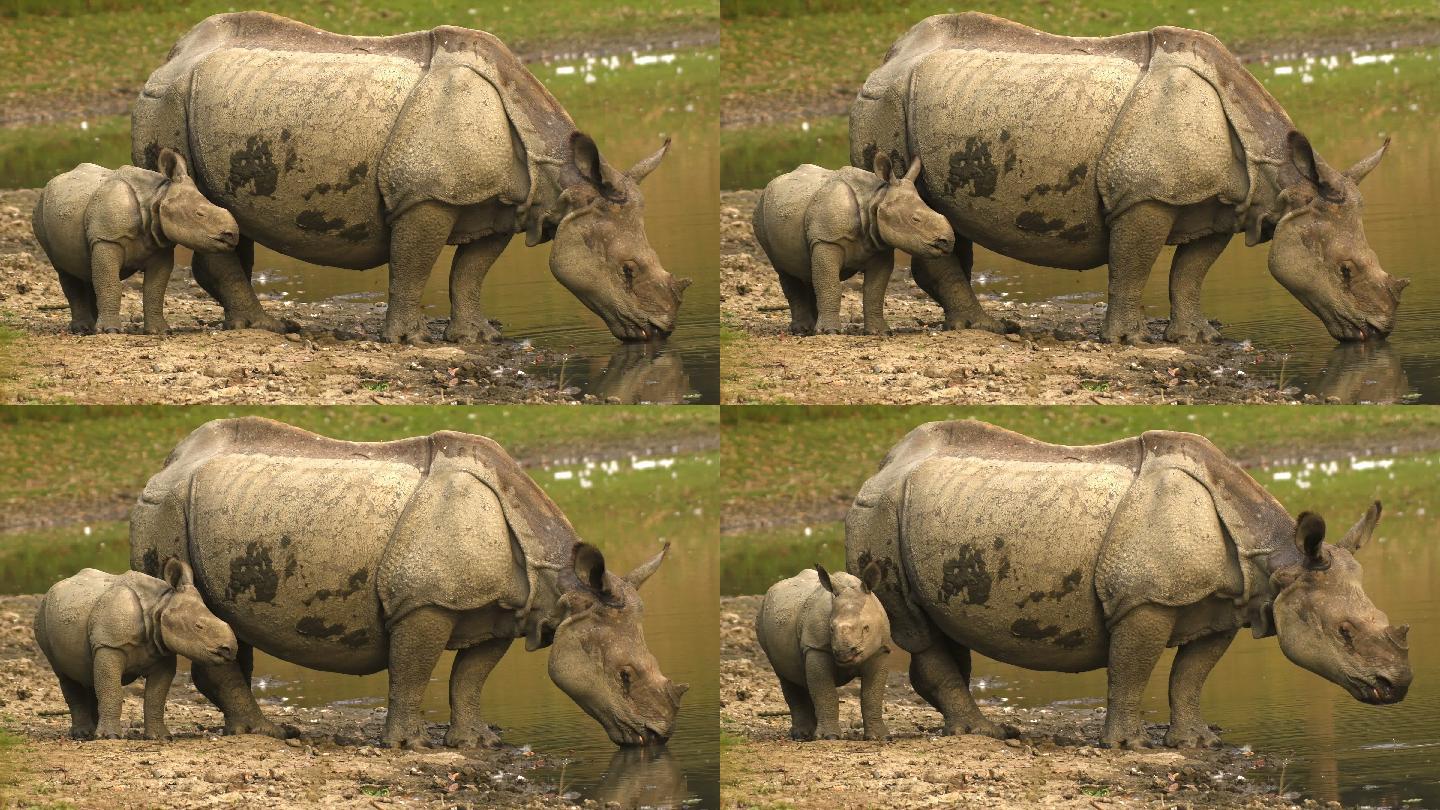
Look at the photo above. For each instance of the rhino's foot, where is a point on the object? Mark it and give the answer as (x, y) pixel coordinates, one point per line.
(802, 328)
(107, 731)
(1191, 331)
(1191, 736)
(466, 332)
(156, 327)
(82, 732)
(802, 734)
(479, 737)
(1131, 736)
(824, 733)
(878, 328)
(976, 320)
(259, 726)
(258, 320)
(878, 733)
(414, 332)
(1133, 331)
(158, 733)
(109, 326)
(82, 328)
(981, 726)
(828, 326)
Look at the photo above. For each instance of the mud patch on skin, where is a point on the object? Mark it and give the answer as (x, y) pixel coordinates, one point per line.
(972, 167)
(152, 156)
(1031, 629)
(1035, 222)
(313, 220)
(885, 564)
(255, 573)
(315, 627)
(357, 580)
(1073, 179)
(1067, 587)
(151, 562)
(967, 575)
(353, 179)
(253, 166)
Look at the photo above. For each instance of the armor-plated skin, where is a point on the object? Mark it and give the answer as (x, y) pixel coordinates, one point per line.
(1073, 152)
(357, 151)
(1074, 558)
(356, 557)
(821, 631)
(820, 227)
(99, 226)
(101, 631)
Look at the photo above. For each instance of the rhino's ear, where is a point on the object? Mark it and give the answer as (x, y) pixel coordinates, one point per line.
(1357, 172)
(1360, 533)
(172, 165)
(871, 576)
(589, 566)
(824, 578)
(1309, 536)
(1302, 156)
(881, 166)
(643, 169)
(914, 170)
(643, 571)
(178, 574)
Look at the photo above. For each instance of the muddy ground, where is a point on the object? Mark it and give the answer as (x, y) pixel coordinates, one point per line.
(1056, 762)
(333, 357)
(1056, 357)
(335, 762)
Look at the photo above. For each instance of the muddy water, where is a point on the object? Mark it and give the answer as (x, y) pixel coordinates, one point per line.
(1345, 106)
(625, 508)
(627, 103)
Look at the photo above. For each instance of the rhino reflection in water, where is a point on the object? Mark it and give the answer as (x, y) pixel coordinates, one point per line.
(1075, 558)
(643, 777)
(1363, 372)
(1074, 152)
(357, 151)
(356, 557)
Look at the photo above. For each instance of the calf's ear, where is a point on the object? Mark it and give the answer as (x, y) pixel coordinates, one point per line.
(881, 166)
(172, 165)
(178, 574)
(824, 578)
(914, 170)
(870, 577)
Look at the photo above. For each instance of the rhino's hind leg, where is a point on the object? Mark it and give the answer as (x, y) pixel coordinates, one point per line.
(467, 273)
(1135, 646)
(1136, 239)
(801, 297)
(802, 710)
(947, 280)
(1187, 273)
(81, 296)
(416, 239)
(226, 278)
(228, 688)
(467, 678)
(416, 643)
(1193, 662)
(941, 675)
(84, 708)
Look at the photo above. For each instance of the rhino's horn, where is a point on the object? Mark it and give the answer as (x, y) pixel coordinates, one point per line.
(643, 571)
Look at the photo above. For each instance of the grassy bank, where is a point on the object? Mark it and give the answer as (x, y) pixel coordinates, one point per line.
(57, 458)
(787, 50)
(101, 48)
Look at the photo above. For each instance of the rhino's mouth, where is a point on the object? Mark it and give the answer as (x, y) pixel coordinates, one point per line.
(1377, 691)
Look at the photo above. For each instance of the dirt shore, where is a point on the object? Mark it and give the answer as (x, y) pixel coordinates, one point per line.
(333, 763)
(1056, 762)
(333, 357)
(1056, 356)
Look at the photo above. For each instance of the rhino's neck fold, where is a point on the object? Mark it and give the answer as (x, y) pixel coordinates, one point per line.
(153, 227)
(154, 635)
(870, 221)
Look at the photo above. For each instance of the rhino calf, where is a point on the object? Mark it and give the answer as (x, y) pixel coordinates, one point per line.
(820, 227)
(101, 631)
(99, 226)
(820, 631)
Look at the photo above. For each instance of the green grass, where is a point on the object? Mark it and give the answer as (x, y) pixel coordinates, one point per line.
(30, 562)
(795, 48)
(11, 746)
(751, 562)
(101, 47)
(54, 457)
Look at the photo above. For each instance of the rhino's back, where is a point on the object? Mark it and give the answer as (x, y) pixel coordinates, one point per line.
(1001, 554)
(290, 142)
(62, 622)
(287, 551)
(780, 217)
(60, 221)
(1009, 142)
(788, 605)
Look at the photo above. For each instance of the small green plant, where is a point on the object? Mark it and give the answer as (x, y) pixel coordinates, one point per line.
(375, 790)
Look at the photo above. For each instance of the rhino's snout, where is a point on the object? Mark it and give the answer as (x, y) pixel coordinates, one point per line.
(1382, 690)
(224, 652)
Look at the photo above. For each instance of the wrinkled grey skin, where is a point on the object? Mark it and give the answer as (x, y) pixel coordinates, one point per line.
(820, 631)
(356, 557)
(99, 226)
(1073, 152)
(101, 631)
(355, 152)
(820, 227)
(1075, 558)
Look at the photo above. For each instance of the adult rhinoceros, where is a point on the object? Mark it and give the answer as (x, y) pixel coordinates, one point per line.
(1074, 152)
(356, 557)
(357, 151)
(1075, 558)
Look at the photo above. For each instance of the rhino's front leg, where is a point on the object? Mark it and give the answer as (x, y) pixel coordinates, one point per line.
(157, 278)
(800, 294)
(1135, 646)
(1136, 239)
(820, 682)
(108, 669)
(157, 687)
(106, 259)
(415, 647)
(1187, 272)
(877, 279)
(1192, 666)
(872, 697)
(825, 263)
(467, 273)
(416, 239)
(467, 678)
(947, 280)
(227, 686)
(226, 278)
(944, 682)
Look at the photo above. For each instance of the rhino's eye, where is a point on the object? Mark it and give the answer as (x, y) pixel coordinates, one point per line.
(625, 680)
(629, 270)
(201, 214)
(1345, 268)
(1347, 633)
